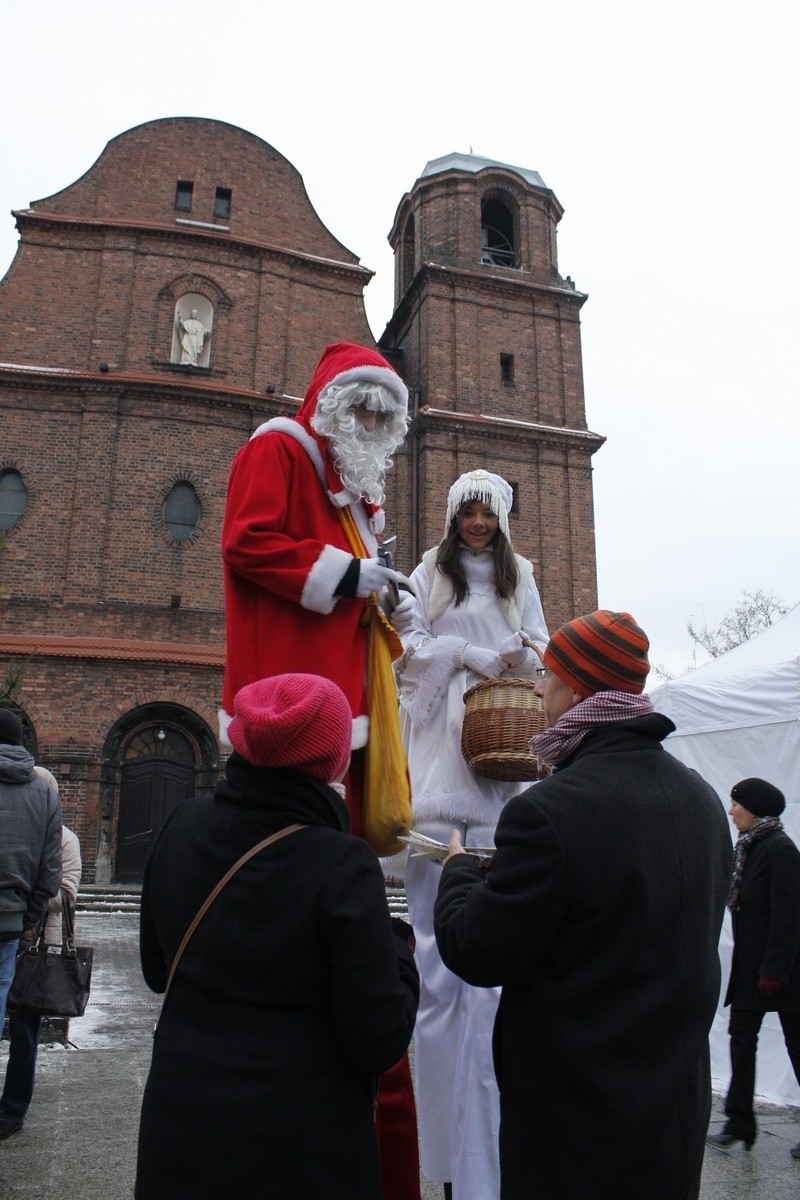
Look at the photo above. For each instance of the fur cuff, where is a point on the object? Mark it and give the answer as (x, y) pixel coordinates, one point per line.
(224, 720)
(360, 733)
(424, 673)
(323, 579)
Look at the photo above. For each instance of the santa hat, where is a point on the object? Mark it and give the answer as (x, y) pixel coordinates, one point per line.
(484, 486)
(300, 722)
(343, 363)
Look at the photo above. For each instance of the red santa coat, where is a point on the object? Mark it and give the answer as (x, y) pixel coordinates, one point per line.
(284, 549)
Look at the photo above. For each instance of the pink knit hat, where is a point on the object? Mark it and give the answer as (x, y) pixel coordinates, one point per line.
(298, 721)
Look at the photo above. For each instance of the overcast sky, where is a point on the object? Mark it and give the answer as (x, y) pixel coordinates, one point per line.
(670, 136)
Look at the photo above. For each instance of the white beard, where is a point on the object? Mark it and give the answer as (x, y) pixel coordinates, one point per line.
(361, 456)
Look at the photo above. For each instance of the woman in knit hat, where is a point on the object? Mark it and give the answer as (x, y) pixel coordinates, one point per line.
(473, 602)
(764, 902)
(294, 993)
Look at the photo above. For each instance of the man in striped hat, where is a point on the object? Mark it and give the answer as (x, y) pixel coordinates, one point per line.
(600, 917)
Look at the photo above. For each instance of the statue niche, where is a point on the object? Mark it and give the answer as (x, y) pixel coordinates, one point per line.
(191, 332)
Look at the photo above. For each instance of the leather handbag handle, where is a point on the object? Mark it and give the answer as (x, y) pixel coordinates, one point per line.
(209, 900)
(67, 919)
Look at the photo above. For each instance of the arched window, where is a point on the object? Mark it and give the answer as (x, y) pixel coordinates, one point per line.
(160, 742)
(181, 511)
(497, 233)
(13, 498)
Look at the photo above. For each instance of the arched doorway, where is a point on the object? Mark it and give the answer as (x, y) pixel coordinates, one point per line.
(155, 757)
(157, 773)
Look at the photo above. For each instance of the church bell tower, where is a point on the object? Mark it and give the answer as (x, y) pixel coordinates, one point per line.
(486, 333)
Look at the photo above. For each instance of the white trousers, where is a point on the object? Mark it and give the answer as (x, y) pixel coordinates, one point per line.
(458, 1105)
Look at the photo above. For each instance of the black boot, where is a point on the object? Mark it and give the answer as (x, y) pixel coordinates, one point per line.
(726, 1138)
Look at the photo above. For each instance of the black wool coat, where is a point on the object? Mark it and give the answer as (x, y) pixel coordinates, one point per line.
(600, 917)
(291, 998)
(766, 927)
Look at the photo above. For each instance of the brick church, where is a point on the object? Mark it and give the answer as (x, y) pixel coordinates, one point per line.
(157, 311)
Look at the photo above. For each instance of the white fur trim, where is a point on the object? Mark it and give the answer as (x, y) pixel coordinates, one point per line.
(440, 595)
(441, 590)
(342, 499)
(484, 486)
(455, 808)
(324, 578)
(224, 720)
(373, 374)
(359, 514)
(424, 672)
(295, 430)
(339, 499)
(360, 732)
(516, 605)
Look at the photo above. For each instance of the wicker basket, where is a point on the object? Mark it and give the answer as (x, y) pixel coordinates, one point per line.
(500, 718)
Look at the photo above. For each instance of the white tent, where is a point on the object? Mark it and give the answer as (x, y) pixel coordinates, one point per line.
(738, 716)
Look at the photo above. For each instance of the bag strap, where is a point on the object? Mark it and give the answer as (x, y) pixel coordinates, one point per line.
(209, 900)
(67, 919)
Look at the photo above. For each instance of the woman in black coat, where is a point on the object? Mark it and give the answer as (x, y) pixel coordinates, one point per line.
(765, 972)
(293, 994)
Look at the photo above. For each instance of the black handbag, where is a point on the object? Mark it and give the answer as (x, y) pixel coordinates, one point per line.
(53, 981)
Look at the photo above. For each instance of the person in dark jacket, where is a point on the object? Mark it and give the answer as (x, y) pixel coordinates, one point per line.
(599, 917)
(764, 900)
(30, 849)
(294, 994)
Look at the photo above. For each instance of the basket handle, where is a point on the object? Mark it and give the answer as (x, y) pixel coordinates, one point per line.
(534, 646)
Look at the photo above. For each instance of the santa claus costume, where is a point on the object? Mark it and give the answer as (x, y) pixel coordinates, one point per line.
(286, 554)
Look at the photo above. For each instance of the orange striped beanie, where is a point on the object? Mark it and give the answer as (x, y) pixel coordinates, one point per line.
(601, 652)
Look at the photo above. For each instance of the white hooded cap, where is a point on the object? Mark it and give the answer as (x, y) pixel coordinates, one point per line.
(484, 486)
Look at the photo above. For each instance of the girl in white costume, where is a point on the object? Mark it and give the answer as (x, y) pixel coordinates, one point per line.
(473, 602)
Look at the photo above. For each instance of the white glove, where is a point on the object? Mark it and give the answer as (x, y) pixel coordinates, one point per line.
(512, 650)
(402, 616)
(482, 661)
(373, 575)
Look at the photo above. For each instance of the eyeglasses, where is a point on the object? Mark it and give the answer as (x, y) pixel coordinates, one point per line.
(541, 672)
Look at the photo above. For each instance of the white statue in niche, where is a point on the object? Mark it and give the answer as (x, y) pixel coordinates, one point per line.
(193, 336)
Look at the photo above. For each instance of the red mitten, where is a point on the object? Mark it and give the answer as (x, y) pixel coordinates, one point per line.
(768, 987)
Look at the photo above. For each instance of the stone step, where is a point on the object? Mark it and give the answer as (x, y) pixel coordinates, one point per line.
(121, 898)
(398, 905)
(109, 897)
(115, 906)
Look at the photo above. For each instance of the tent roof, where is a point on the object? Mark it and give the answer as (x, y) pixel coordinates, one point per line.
(754, 684)
(778, 643)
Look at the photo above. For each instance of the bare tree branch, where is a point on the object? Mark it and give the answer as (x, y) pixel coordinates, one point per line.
(754, 613)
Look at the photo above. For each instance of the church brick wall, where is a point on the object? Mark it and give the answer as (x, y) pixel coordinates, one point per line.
(111, 620)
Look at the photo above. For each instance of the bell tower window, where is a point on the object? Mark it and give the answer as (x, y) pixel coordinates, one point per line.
(497, 234)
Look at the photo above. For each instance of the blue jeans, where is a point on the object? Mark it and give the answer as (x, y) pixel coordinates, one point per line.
(8, 962)
(21, 1068)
